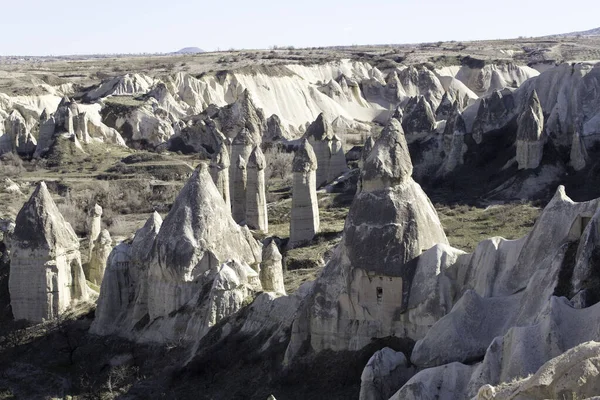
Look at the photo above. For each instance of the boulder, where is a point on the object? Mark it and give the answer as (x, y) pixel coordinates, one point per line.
(385, 373)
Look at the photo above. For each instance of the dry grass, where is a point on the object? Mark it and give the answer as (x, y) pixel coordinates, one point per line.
(466, 226)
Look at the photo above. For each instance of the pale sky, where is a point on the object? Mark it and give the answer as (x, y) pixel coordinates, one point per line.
(44, 27)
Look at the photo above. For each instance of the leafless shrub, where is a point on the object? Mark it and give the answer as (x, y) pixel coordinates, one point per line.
(11, 165)
(279, 163)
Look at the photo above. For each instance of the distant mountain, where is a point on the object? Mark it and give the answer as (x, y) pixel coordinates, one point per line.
(591, 32)
(190, 50)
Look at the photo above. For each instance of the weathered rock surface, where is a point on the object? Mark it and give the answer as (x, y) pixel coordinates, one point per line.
(304, 223)
(46, 276)
(95, 227)
(363, 291)
(239, 187)
(418, 117)
(331, 160)
(256, 199)
(219, 170)
(94, 270)
(271, 269)
(198, 271)
(386, 371)
(530, 139)
(573, 374)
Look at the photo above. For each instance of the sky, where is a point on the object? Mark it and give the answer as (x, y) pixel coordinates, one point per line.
(42, 27)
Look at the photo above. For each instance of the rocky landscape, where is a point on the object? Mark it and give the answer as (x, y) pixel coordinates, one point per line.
(381, 222)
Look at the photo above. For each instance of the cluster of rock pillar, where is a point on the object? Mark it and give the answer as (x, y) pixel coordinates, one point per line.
(239, 175)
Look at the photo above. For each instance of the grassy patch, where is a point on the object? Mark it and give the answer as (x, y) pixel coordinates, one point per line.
(466, 225)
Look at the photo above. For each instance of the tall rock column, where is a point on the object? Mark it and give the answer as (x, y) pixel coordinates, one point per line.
(305, 205)
(95, 224)
(98, 257)
(530, 137)
(241, 147)
(331, 160)
(46, 135)
(271, 269)
(256, 199)
(46, 276)
(219, 171)
(239, 190)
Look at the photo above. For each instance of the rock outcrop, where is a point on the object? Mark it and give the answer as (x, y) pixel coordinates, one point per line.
(94, 271)
(271, 269)
(304, 224)
(331, 160)
(256, 199)
(418, 117)
(363, 292)
(219, 170)
(530, 136)
(239, 187)
(454, 141)
(573, 374)
(95, 227)
(385, 373)
(507, 312)
(46, 276)
(179, 278)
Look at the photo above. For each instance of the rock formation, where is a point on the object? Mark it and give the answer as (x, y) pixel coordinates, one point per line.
(256, 199)
(446, 107)
(385, 373)
(271, 269)
(219, 170)
(366, 150)
(304, 224)
(46, 135)
(507, 312)
(179, 278)
(275, 131)
(241, 147)
(578, 157)
(418, 117)
(18, 139)
(363, 292)
(454, 141)
(331, 160)
(46, 276)
(95, 226)
(530, 138)
(96, 265)
(573, 374)
(240, 184)
(242, 114)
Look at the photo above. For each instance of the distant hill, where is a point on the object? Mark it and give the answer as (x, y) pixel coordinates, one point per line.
(189, 50)
(591, 32)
